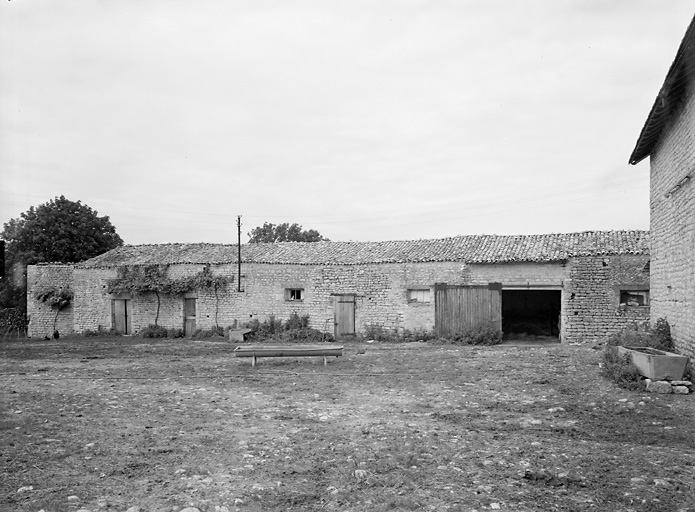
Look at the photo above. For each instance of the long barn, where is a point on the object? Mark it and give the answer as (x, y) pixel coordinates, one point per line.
(576, 287)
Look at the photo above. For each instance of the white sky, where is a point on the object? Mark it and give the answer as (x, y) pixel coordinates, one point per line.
(363, 119)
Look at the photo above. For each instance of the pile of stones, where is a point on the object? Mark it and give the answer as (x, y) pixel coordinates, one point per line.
(679, 387)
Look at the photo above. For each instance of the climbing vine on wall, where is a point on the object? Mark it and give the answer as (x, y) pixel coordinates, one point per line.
(57, 297)
(154, 279)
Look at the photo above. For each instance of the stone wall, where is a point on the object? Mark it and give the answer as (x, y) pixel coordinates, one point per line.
(42, 316)
(591, 309)
(590, 289)
(673, 226)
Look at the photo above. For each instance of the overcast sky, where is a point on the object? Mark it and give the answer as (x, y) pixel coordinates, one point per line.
(365, 120)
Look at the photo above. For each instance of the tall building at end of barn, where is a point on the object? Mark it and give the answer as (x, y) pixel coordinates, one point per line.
(576, 287)
(668, 138)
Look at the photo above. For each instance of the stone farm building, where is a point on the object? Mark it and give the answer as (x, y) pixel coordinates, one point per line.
(668, 138)
(576, 287)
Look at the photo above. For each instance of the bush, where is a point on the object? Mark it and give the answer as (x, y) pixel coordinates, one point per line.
(296, 322)
(662, 336)
(478, 335)
(154, 331)
(295, 329)
(621, 370)
(378, 332)
(210, 333)
(173, 332)
(658, 337)
(89, 333)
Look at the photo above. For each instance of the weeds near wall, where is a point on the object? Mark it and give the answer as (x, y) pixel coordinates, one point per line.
(295, 329)
(89, 333)
(658, 337)
(154, 331)
(378, 332)
(478, 335)
(620, 369)
(13, 319)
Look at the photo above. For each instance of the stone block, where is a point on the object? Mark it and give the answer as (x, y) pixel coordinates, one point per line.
(681, 390)
(659, 386)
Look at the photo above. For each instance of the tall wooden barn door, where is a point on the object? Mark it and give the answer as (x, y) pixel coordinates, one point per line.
(344, 315)
(457, 308)
(189, 313)
(121, 316)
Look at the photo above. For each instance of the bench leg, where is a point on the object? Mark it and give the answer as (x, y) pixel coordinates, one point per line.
(325, 360)
(253, 361)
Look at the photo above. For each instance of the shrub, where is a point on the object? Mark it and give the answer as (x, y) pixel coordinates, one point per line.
(295, 322)
(89, 333)
(210, 333)
(621, 370)
(658, 337)
(662, 336)
(478, 335)
(173, 332)
(378, 332)
(295, 329)
(154, 331)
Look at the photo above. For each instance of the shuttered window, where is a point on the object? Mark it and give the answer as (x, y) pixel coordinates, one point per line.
(418, 296)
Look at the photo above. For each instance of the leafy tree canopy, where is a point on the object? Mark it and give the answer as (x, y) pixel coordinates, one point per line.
(270, 233)
(59, 231)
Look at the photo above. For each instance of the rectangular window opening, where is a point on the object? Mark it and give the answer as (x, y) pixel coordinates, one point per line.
(634, 297)
(294, 294)
(418, 295)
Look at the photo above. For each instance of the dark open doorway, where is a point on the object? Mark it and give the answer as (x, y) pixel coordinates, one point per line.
(531, 312)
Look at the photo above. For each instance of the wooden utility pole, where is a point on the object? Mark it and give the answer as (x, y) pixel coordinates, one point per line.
(238, 279)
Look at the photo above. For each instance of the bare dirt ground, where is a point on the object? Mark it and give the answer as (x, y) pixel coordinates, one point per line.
(112, 423)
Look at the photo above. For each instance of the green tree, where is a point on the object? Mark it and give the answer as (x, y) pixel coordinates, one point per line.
(270, 233)
(59, 231)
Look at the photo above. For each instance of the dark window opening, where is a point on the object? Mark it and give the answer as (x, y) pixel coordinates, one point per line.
(294, 294)
(531, 312)
(634, 298)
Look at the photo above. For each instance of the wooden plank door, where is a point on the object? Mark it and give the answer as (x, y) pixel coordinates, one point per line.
(344, 315)
(121, 316)
(459, 308)
(189, 314)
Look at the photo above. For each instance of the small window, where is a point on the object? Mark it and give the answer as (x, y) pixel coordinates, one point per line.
(418, 295)
(634, 297)
(294, 294)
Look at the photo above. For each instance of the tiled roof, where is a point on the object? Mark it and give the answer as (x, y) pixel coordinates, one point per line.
(469, 248)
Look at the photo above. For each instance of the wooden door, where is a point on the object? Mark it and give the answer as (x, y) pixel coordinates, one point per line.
(121, 316)
(458, 308)
(344, 315)
(189, 313)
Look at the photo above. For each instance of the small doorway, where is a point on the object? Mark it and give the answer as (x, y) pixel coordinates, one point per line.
(189, 314)
(344, 315)
(531, 313)
(121, 316)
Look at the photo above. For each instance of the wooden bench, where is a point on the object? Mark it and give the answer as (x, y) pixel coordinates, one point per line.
(255, 351)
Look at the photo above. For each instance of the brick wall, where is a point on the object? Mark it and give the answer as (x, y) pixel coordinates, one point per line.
(42, 316)
(673, 226)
